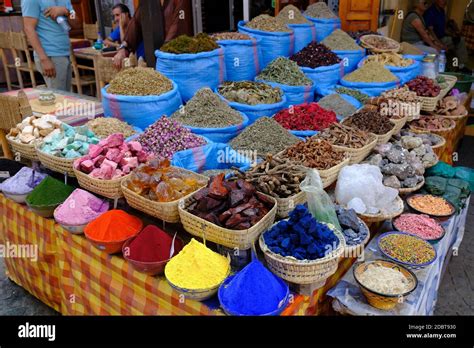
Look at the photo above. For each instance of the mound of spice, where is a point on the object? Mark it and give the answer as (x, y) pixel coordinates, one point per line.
(276, 176)
(80, 208)
(23, 182)
(286, 72)
(160, 182)
(303, 117)
(187, 44)
(428, 123)
(339, 40)
(406, 48)
(431, 205)
(301, 237)
(34, 128)
(392, 59)
(265, 136)
(402, 94)
(419, 225)
(112, 158)
(341, 135)
(197, 267)
(105, 126)
(165, 137)
(69, 142)
(371, 72)
(290, 14)
(406, 248)
(113, 226)
(315, 153)
(384, 280)
(152, 244)
(230, 36)
(253, 291)
(207, 110)
(315, 55)
(265, 22)
(338, 104)
(354, 231)
(424, 86)
(49, 192)
(139, 82)
(234, 205)
(319, 10)
(360, 96)
(250, 92)
(370, 121)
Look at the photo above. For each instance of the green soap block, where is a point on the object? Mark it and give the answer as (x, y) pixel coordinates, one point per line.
(94, 141)
(80, 137)
(72, 154)
(84, 148)
(90, 134)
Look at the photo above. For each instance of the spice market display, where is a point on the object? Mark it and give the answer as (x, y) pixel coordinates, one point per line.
(212, 213)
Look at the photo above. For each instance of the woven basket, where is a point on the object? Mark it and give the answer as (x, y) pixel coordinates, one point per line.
(166, 211)
(399, 124)
(451, 81)
(286, 205)
(381, 139)
(370, 218)
(356, 250)
(429, 103)
(378, 50)
(329, 176)
(438, 149)
(304, 272)
(242, 239)
(107, 188)
(27, 151)
(358, 155)
(405, 191)
(56, 164)
(455, 117)
(441, 132)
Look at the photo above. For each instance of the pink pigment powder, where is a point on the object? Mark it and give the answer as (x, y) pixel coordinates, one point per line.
(419, 225)
(80, 208)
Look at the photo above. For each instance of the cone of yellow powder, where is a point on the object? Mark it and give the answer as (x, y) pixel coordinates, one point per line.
(197, 267)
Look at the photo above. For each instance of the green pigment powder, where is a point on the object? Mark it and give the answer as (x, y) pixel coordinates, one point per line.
(49, 192)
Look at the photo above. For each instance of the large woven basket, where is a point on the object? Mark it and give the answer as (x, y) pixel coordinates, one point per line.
(27, 151)
(304, 272)
(451, 81)
(405, 191)
(107, 188)
(381, 139)
(429, 103)
(438, 149)
(286, 205)
(56, 164)
(444, 132)
(399, 123)
(378, 50)
(358, 155)
(454, 117)
(242, 239)
(398, 210)
(166, 211)
(329, 176)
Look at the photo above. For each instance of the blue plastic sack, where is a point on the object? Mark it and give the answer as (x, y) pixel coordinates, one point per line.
(295, 95)
(325, 26)
(191, 72)
(305, 33)
(304, 134)
(418, 58)
(209, 157)
(325, 76)
(221, 135)
(373, 89)
(243, 58)
(254, 112)
(272, 44)
(404, 74)
(350, 59)
(141, 111)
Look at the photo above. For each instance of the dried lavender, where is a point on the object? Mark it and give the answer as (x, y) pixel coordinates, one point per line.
(337, 104)
(284, 71)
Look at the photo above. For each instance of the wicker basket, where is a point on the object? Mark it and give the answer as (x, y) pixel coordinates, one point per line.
(56, 164)
(329, 176)
(451, 81)
(304, 272)
(381, 139)
(378, 50)
(370, 218)
(438, 149)
(429, 103)
(242, 239)
(455, 117)
(405, 191)
(166, 211)
(355, 251)
(106, 188)
(399, 124)
(358, 155)
(441, 132)
(286, 205)
(27, 151)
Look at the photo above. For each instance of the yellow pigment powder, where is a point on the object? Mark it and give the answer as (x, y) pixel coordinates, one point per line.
(197, 267)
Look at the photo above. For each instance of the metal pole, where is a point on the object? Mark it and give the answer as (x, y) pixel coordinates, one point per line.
(246, 10)
(100, 22)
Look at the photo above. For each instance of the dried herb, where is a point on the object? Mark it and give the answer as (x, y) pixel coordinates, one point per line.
(339, 40)
(292, 15)
(362, 97)
(187, 44)
(140, 82)
(337, 104)
(371, 72)
(284, 71)
(250, 92)
(392, 59)
(268, 23)
(370, 121)
(230, 36)
(341, 135)
(319, 10)
(315, 55)
(105, 126)
(207, 110)
(315, 153)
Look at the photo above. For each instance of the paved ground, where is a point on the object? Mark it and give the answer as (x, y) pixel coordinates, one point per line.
(455, 294)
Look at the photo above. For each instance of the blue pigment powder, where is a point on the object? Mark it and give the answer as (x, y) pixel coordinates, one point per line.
(253, 291)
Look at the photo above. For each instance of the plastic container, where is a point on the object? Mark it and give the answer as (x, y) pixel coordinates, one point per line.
(351, 58)
(46, 211)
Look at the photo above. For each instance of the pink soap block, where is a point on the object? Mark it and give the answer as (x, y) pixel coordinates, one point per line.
(106, 171)
(126, 169)
(135, 146)
(110, 164)
(113, 155)
(96, 173)
(95, 150)
(115, 140)
(98, 160)
(117, 174)
(131, 162)
(123, 147)
(87, 166)
(142, 156)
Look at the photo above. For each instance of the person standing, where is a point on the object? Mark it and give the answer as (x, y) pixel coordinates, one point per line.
(50, 41)
(122, 17)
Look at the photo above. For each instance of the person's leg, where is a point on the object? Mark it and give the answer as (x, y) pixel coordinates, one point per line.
(427, 49)
(47, 80)
(63, 74)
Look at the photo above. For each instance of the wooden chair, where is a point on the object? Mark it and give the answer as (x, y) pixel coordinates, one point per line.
(23, 61)
(106, 70)
(4, 46)
(79, 80)
(14, 110)
(91, 32)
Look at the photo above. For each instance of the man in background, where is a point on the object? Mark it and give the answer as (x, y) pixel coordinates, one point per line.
(50, 41)
(122, 17)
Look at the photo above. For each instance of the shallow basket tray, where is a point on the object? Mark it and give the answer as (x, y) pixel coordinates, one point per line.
(454, 117)
(27, 151)
(329, 176)
(304, 272)
(429, 103)
(399, 124)
(378, 50)
(405, 191)
(444, 132)
(370, 218)
(166, 211)
(381, 139)
(356, 250)
(107, 188)
(286, 205)
(56, 164)
(242, 239)
(358, 155)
